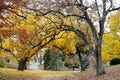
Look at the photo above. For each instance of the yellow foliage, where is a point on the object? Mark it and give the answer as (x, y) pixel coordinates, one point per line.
(65, 40)
(7, 43)
(111, 44)
(2, 53)
(20, 23)
(114, 22)
(28, 24)
(110, 47)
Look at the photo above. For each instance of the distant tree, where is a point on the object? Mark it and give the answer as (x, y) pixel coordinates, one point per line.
(57, 60)
(111, 38)
(52, 60)
(47, 58)
(72, 61)
(82, 53)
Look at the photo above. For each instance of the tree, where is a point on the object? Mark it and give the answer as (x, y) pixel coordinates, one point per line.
(110, 47)
(27, 37)
(46, 59)
(111, 39)
(79, 51)
(53, 60)
(17, 48)
(83, 12)
(72, 61)
(6, 8)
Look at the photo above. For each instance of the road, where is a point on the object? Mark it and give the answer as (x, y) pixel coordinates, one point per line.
(34, 67)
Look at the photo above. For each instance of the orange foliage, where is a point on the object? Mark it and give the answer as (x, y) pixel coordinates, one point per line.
(55, 50)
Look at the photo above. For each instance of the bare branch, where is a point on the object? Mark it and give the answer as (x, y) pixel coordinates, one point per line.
(104, 9)
(110, 9)
(53, 11)
(111, 4)
(97, 9)
(94, 32)
(113, 9)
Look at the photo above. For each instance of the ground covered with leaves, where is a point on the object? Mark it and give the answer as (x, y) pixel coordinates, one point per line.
(13, 74)
(112, 73)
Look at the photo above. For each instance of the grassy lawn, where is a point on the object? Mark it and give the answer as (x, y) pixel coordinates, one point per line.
(112, 73)
(11, 74)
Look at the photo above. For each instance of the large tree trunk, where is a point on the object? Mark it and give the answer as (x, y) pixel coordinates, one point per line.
(22, 64)
(99, 64)
(98, 49)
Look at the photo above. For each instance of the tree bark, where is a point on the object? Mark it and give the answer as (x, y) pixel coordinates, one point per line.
(56, 67)
(40, 59)
(81, 62)
(99, 64)
(22, 64)
(78, 51)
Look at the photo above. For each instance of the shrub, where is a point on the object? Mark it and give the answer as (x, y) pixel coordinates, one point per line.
(2, 62)
(67, 64)
(115, 61)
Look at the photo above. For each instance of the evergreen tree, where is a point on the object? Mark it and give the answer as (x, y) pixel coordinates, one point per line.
(53, 61)
(46, 59)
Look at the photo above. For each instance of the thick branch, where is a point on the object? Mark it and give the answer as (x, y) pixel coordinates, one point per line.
(40, 45)
(77, 32)
(94, 32)
(52, 36)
